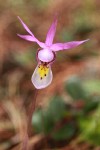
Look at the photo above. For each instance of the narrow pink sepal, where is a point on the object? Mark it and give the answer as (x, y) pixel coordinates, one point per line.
(32, 37)
(65, 46)
(51, 33)
(26, 37)
(25, 26)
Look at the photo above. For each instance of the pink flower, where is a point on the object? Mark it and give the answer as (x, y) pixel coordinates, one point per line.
(46, 55)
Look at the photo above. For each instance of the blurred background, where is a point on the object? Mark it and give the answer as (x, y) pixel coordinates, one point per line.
(67, 114)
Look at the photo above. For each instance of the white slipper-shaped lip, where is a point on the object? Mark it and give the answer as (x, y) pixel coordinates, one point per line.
(44, 82)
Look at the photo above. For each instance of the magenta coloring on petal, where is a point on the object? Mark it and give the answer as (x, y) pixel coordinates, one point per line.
(67, 45)
(28, 37)
(51, 33)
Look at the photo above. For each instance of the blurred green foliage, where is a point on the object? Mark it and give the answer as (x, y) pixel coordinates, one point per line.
(92, 86)
(90, 127)
(61, 120)
(65, 132)
(26, 58)
(75, 89)
(41, 3)
(49, 121)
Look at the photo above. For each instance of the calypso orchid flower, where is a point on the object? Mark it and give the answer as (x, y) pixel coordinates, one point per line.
(46, 55)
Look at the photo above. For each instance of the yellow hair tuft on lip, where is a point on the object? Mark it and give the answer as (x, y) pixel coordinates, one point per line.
(43, 71)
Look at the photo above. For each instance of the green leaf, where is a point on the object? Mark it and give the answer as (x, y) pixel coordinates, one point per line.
(90, 128)
(75, 89)
(37, 121)
(64, 133)
(90, 106)
(57, 108)
(44, 121)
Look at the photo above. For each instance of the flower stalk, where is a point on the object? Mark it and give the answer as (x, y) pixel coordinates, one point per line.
(25, 144)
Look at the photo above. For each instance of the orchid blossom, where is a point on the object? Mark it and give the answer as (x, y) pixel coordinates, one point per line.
(46, 55)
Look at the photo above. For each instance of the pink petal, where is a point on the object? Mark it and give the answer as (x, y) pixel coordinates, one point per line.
(65, 46)
(38, 83)
(45, 55)
(51, 33)
(32, 37)
(26, 37)
(25, 26)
